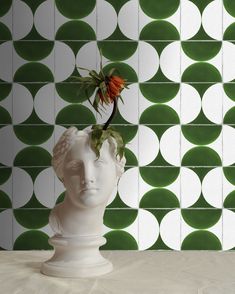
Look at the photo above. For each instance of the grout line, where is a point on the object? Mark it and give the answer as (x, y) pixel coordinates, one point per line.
(180, 128)
(138, 147)
(12, 70)
(54, 99)
(222, 185)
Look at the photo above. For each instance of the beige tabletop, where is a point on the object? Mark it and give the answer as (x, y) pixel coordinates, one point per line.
(156, 272)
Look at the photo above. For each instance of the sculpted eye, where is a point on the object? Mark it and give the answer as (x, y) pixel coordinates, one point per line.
(74, 165)
(100, 162)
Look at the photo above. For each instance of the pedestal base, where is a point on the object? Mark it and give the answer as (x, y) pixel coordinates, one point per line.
(77, 258)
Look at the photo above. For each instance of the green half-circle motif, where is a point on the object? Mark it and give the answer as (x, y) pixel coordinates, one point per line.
(75, 114)
(159, 114)
(5, 6)
(73, 92)
(117, 51)
(201, 4)
(229, 89)
(33, 72)
(33, 4)
(123, 70)
(158, 176)
(33, 156)
(201, 51)
(33, 50)
(230, 7)
(75, 8)
(230, 200)
(229, 34)
(201, 240)
(60, 198)
(119, 218)
(159, 30)
(5, 34)
(117, 5)
(201, 156)
(229, 117)
(201, 135)
(5, 117)
(131, 159)
(159, 9)
(32, 240)
(159, 198)
(33, 135)
(128, 132)
(75, 30)
(5, 174)
(229, 173)
(119, 240)
(201, 72)
(5, 89)
(32, 218)
(5, 201)
(201, 218)
(159, 93)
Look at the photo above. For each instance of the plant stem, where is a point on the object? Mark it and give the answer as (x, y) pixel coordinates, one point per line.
(112, 114)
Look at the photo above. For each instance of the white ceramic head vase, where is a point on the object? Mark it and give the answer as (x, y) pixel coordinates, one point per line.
(78, 220)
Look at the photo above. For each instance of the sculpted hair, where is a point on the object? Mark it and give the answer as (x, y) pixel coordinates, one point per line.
(66, 142)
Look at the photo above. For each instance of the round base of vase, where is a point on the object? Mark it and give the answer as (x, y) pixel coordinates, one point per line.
(76, 258)
(83, 271)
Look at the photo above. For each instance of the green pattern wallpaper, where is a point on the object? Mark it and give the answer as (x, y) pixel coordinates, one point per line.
(178, 117)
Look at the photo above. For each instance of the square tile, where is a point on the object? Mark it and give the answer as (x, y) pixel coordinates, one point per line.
(33, 68)
(33, 104)
(201, 229)
(27, 15)
(6, 61)
(33, 187)
(6, 216)
(125, 235)
(228, 20)
(201, 145)
(156, 23)
(6, 22)
(159, 229)
(7, 139)
(228, 229)
(30, 232)
(75, 22)
(5, 187)
(228, 143)
(228, 61)
(201, 187)
(228, 187)
(193, 14)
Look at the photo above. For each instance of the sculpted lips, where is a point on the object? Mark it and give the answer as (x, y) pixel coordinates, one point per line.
(88, 189)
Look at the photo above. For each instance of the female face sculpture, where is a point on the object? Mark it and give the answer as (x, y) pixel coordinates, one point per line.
(89, 180)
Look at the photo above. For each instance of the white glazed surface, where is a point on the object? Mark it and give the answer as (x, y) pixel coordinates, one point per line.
(78, 220)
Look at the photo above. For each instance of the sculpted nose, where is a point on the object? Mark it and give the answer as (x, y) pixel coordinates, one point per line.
(87, 175)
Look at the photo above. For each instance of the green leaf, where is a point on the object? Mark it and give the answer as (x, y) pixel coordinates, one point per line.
(121, 99)
(96, 103)
(112, 70)
(83, 68)
(98, 136)
(120, 144)
(95, 75)
(103, 89)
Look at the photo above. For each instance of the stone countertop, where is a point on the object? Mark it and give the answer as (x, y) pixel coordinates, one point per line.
(137, 272)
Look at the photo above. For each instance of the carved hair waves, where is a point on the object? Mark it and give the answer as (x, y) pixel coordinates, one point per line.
(66, 142)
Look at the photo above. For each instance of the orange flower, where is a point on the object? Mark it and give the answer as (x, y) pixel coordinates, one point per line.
(115, 86)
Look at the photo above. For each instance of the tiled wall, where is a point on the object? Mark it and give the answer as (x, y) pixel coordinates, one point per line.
(178, 117)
